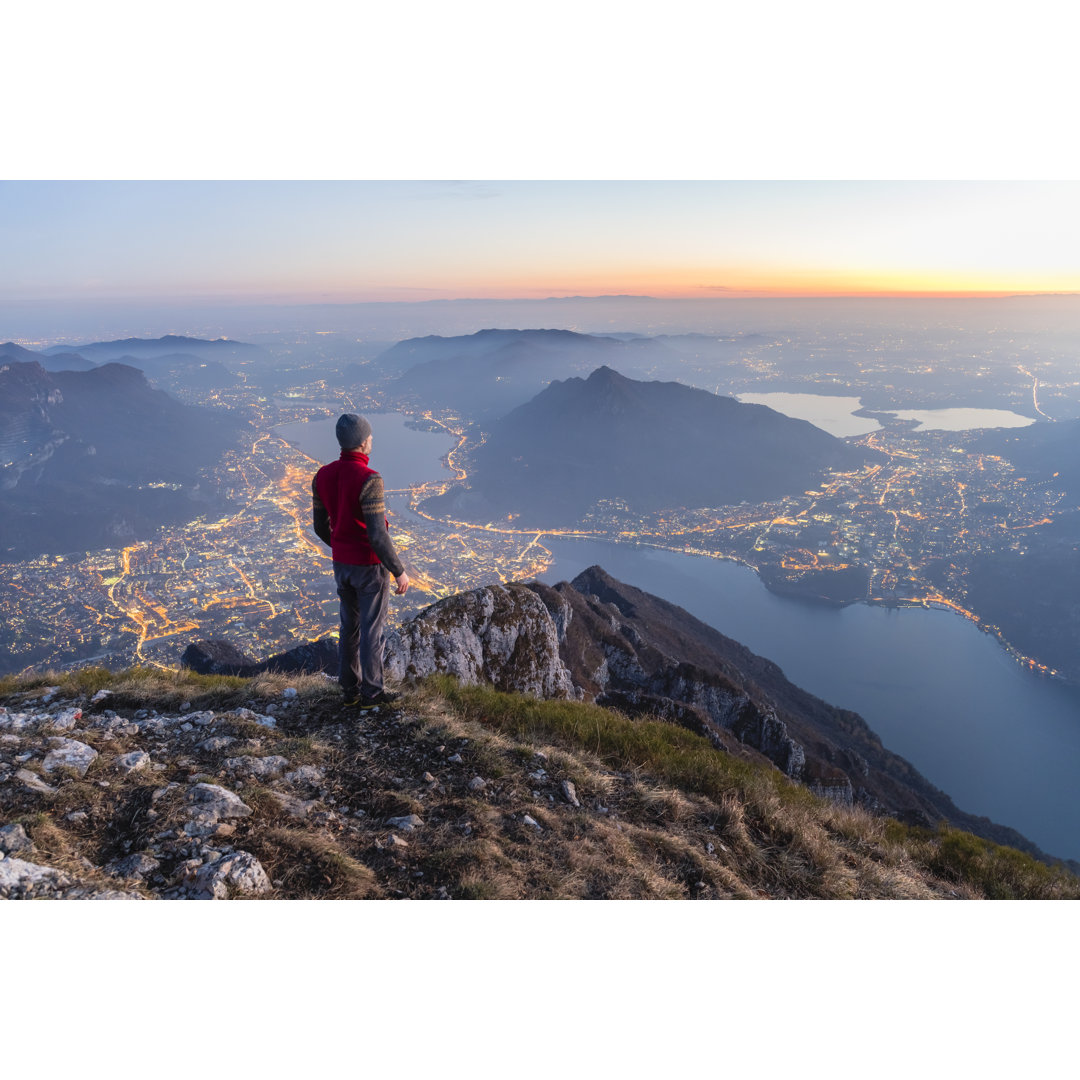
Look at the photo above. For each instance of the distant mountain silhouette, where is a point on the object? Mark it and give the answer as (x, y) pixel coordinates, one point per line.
(58, 361)
(650, 445)
(484, 375)
(1033, 593)
(170, 344)
(79, 450)
(1040, 451)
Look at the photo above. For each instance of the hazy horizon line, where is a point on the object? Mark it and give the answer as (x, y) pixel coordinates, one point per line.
(204, 301)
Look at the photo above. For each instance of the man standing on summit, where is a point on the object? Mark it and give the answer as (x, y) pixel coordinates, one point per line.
(349, 514)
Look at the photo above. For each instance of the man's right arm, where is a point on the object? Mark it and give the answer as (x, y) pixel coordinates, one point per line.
(320, 517)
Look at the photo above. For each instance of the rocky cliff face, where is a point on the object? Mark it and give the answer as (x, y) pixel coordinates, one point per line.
(614, 663)
(503, 635)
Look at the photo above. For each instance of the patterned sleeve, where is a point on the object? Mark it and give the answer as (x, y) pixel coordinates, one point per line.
(373, 510)
(372, 499)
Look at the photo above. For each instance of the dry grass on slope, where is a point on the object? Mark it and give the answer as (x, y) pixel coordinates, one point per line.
(662, 814)
(775, 838)
(164, 689)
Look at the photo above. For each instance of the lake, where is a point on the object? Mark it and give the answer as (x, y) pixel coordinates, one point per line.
(836, 414)
(1001, 741)
(831, 414)
(962, 419)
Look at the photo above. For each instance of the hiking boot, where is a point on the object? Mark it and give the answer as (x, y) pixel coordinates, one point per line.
(351, 698)
(384, 697)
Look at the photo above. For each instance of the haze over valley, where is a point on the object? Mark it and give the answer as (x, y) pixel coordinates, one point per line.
(898, 516)
(182, 512)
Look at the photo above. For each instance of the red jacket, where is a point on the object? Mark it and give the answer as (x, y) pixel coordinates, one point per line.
(338, 487)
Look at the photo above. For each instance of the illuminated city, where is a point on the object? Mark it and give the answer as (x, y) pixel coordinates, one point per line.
(897, 533)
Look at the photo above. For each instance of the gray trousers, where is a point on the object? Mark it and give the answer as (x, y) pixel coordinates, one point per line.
(365, 597)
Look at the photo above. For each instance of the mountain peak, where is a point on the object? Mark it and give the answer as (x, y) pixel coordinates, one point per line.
(606, 376)
(650, 445)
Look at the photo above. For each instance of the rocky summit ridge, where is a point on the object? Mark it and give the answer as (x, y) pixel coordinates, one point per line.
(600, 640)
(578, 740)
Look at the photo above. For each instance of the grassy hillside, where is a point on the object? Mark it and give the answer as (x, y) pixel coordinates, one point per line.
(661, 814)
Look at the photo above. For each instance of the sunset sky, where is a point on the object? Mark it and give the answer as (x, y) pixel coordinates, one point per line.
(348, 241)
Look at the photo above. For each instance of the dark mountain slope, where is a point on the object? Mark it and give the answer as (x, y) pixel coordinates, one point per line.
(1033, 593)
(651, 445)
(81, 449)
(1041, 452)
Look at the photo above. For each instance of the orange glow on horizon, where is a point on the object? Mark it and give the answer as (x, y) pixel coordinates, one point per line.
(855, 288)
(677, 283)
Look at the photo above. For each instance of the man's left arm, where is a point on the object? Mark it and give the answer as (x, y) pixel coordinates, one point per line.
(373, 510)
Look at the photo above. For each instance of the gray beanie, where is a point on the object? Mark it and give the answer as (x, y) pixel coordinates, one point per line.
(352, 431)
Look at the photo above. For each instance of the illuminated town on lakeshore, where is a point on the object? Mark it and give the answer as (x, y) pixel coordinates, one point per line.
(903, 530)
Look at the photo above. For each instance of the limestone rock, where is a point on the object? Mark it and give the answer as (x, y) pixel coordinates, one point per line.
(137, 759)
(306, 776)
(241, 870)
(18, 721)
(407, 823)
(569, 793)
(217, 802)
(477, 783)
(262, 768)
(69, 753)
(66, 719)
(294, 807)
(33, 781)
(13, 839)
(502, 634)
(215, 743)
(139, 865)
(21, 880)
(254, 717)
